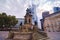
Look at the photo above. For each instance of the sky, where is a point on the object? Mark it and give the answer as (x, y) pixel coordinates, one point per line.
(18, 7)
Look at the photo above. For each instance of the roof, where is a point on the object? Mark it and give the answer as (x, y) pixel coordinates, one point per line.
(53, 14)
(20, 18)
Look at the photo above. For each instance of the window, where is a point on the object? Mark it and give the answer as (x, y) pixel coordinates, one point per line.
(25, 21)
(29, 21)
(48, 28)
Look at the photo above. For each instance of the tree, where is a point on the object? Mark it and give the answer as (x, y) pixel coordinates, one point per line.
(7, 21)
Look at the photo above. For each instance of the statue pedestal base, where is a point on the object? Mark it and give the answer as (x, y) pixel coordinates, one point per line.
(21, 36)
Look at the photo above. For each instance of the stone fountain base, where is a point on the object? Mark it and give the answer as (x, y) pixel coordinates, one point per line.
(21, 36)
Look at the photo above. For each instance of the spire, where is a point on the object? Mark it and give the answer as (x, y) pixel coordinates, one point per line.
(28, 12)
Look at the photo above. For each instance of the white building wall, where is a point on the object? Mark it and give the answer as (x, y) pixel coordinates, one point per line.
(19, 21)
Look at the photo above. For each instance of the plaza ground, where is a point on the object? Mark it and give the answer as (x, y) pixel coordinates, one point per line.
(52, 35)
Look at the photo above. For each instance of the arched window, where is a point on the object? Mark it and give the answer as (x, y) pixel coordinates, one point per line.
(25, 21)
(48, 28)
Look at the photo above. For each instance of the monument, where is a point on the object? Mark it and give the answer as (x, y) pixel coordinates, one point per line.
(28, 31)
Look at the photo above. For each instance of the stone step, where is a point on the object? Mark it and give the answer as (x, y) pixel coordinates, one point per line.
(8, 39)
(38, 36)
(22, 35)
(22, 39)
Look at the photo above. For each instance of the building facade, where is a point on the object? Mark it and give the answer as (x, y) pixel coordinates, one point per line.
(52, 22)
(20, 20)
(44, 14)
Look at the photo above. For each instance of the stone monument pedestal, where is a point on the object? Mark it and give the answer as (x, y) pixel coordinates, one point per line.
(23, 36)
(20, 36)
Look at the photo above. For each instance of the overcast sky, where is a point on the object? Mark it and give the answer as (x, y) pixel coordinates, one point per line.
(18, 7)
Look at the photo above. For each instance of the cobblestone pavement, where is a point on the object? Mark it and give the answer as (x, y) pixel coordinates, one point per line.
(3, 35)
(53, 36)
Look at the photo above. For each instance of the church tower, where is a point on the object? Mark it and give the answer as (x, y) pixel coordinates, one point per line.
(28, 26)
(28, 17)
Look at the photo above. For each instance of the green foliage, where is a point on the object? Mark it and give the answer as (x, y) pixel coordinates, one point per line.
(7, 21)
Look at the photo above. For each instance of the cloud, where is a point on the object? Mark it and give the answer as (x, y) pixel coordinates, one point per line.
(18, 7)
(12, 7)
(47, 5)
(2, 2)
(56, 3)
